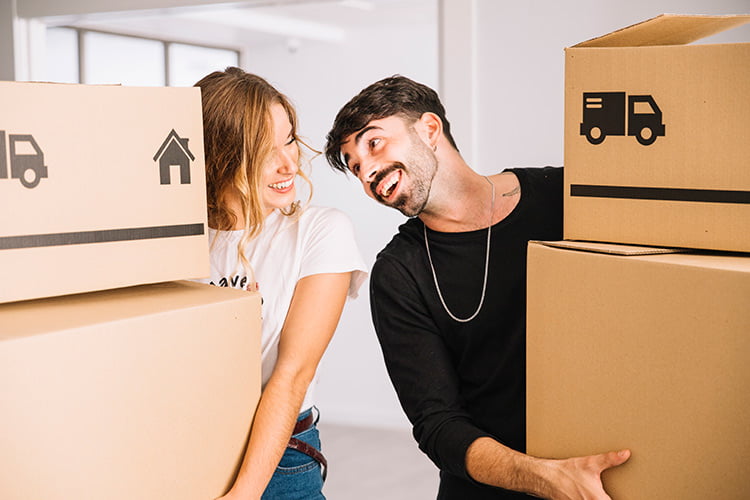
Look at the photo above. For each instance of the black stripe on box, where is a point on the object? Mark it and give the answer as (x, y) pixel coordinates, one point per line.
(103, 236)
(654, 193)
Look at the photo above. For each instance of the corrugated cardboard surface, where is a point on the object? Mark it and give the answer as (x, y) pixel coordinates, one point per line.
(702, 93)
(642, 352)
(145, 392)
(101, 217)
(667, 29)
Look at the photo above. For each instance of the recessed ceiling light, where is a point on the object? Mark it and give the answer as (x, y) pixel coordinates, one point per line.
(358, 4)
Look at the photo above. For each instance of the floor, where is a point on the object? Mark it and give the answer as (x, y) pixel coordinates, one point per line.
(369, 464)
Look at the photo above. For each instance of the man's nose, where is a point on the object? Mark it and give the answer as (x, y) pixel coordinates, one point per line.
(367, 171)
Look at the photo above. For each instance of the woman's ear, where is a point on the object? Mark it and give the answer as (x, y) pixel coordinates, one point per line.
(431, 128)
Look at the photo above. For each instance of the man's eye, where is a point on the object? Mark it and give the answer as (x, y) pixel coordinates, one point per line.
(374, 143)
(355, 169)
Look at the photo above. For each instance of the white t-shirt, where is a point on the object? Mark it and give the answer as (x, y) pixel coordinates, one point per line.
(320, 241)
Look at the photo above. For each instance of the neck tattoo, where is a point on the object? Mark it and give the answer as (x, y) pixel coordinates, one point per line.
(486, 264)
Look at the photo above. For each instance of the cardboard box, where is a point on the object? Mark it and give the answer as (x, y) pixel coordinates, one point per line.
(100, 187)
(145, 392)
(647, 352)
(657, 136)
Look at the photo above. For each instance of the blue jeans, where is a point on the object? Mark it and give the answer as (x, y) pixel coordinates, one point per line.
(298, 476)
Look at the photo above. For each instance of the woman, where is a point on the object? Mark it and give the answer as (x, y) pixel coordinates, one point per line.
(304, 261)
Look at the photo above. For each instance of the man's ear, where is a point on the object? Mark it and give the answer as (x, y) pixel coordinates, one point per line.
(431, 128)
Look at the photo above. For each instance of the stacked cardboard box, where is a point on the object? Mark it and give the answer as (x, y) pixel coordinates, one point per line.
(100, 187)
(140, 392)
(115, 379)
(642, 351)
(646, 348)
(656, 136)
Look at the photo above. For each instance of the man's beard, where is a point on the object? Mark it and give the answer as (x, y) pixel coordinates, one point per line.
(422, 166)
(412, 206)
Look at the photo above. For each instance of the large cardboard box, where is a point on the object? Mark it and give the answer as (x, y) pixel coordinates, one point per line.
(100, 187)
(647, 352)
(657, 136)
(146, 392)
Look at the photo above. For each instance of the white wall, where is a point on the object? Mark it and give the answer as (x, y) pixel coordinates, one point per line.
(320, 78)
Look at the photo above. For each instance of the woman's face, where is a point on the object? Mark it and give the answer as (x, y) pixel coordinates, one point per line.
(277, 179)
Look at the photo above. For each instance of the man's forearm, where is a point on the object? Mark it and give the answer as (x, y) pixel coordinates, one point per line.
(490, 462)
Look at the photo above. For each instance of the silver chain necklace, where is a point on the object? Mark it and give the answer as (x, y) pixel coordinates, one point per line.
(486, 264)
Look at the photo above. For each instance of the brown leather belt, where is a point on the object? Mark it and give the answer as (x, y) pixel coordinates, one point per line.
(301, 446)
(304, 424)
(310, 451)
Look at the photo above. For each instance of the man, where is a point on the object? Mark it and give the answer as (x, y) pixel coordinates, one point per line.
(448, 293)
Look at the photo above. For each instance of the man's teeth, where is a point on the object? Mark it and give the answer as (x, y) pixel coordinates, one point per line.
(282, 185)
(389, 187)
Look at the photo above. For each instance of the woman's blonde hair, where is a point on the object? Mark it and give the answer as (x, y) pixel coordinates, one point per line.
(238, 142)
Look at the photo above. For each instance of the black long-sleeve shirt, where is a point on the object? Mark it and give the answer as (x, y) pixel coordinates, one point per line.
(461, 381)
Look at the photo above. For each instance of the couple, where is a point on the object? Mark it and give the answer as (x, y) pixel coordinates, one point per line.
(447, 293)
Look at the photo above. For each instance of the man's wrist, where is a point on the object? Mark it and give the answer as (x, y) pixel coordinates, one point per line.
(490, 462)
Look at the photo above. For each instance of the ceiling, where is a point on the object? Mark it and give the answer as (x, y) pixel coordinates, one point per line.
(241, 25)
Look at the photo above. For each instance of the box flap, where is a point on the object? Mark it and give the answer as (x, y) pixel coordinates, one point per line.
(608, 248)
(667, 29)
(76, 311)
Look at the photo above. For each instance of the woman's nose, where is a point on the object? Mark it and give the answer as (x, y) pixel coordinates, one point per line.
(287, 162)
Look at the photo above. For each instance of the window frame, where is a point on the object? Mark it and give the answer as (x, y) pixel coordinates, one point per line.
(165, 43)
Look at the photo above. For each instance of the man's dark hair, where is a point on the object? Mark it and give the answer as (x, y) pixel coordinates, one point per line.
(395, 95)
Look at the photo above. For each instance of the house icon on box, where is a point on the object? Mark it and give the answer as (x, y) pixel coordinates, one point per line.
(174, 151)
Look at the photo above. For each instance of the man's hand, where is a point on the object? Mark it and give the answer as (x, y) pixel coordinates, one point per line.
(579, 478)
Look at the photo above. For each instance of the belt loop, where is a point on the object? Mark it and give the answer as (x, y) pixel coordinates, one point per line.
(315, 409)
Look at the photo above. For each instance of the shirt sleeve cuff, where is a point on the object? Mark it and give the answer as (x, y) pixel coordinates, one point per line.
(455, 439)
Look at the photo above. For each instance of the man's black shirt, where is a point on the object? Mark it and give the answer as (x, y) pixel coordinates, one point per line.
(461, 381)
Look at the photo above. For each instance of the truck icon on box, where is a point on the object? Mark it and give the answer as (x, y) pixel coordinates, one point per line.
(26, 159)
(604, 114)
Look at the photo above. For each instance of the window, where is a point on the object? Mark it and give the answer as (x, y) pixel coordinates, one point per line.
(190, 63)
(77, 55)
(62, 55)
(128, 60)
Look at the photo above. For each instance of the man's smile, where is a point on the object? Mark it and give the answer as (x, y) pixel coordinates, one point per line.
(387, 182)
(386, 186)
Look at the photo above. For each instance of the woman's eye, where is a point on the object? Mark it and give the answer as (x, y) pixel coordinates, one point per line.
(290, 141)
